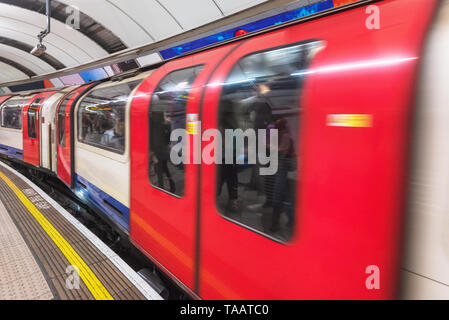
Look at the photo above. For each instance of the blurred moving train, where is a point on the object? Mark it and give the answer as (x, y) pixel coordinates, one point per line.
(362, 113)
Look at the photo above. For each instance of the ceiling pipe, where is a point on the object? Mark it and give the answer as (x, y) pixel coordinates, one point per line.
(40, 49)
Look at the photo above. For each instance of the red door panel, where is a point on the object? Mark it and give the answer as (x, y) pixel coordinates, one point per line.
(160, 223)
(31, 128)
(351, 178)
(64, 134)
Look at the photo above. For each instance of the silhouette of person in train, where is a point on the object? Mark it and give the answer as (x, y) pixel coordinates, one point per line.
(119, 127)
(87, 126)
(260, 115)
(287, 163)
(107, 138)
(227, 173)
(14, 122)
(90, 127)
(160, 147)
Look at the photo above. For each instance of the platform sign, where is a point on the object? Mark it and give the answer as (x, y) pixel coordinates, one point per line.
(94, 75)
(250, 27)
(71, 80)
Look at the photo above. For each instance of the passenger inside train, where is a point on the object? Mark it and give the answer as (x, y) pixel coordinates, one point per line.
(261, 93)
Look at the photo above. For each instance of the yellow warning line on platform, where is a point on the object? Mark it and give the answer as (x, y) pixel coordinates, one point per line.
(93, 284)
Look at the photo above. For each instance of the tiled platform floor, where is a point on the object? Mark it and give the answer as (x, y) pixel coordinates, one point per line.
(40, 243)
(20, 275)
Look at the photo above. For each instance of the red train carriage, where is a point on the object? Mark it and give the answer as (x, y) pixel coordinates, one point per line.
(343, 210)
(340, 94)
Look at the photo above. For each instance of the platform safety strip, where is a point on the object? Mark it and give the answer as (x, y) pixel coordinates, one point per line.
(93, 284)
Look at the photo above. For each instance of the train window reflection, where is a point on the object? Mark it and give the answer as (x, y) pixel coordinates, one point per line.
(62, 119)
(12, 114)
(167, 113)
(102, 117)
(262, 92)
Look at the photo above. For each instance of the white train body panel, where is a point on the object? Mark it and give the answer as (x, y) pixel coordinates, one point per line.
(12, 137)
(105, 170)
(426, 264)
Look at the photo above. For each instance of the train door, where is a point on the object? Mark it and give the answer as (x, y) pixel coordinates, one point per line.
(249, 200)
(31, 129)
(164, 192)
(64, 135)
(47, 129)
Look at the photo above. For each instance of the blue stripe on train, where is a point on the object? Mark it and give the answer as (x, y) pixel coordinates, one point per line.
(115, 210)
(11, 152)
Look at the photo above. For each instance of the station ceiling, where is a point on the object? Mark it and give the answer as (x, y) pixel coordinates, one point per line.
(105, 27)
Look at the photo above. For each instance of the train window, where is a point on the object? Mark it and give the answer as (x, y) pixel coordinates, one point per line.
(262, 93)
(167, 113)
(61, 120)
(32, 118)
(12, 114)
(102, 117)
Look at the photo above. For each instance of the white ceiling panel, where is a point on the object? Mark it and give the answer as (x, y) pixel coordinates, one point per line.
(192, 13)
(232, 6)
(151, 16)
(8, 73)
(110, 16)
(29, 61)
